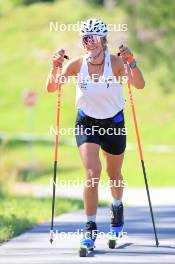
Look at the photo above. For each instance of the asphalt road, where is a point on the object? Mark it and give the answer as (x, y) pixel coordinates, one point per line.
(137, 247)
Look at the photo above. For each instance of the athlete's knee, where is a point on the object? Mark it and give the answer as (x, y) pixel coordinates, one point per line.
(93, 171)
(93, 174)
(115, 174)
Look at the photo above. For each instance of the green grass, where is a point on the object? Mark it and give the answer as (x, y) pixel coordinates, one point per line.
(26, 49)
(159, 166)
(26, 37)
(20, 213)
(25, 54)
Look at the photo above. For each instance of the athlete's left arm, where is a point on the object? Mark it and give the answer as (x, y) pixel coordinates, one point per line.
(135, 76)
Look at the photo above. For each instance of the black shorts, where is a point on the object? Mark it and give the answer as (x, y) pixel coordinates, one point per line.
(109, 133)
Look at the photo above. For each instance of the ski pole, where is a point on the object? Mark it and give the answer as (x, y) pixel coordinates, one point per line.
(56, 156)
(140, 148)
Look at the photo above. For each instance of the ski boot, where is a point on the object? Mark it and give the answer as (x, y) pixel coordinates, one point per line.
(88, 241)
(116, 227)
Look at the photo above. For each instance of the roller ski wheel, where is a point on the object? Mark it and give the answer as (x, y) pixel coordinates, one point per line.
(83, 252)
(112, 242)
(115, 236)
(87, 246)
(116, 228)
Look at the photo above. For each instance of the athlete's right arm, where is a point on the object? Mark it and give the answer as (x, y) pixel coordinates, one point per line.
(57, 73)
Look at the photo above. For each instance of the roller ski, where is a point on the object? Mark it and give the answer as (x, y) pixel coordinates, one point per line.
(116, 227)
(87, 244)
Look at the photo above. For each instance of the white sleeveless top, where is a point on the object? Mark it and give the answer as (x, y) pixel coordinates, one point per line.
(102, 99)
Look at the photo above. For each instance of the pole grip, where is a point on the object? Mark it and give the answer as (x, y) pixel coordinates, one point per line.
(66, 57)
(120, 47)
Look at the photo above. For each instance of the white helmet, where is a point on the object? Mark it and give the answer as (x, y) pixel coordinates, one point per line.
(93, 27)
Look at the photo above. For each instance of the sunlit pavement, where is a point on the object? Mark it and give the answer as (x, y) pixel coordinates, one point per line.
(137, 246)
(132, 196)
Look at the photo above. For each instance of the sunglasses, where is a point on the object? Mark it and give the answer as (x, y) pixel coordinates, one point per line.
(90, 40)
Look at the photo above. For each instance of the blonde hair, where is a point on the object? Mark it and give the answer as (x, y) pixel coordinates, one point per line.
(104, 43)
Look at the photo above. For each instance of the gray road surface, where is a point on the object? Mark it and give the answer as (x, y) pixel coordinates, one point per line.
(138, 247)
